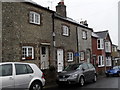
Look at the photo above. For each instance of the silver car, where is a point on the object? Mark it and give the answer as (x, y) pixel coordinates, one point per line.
(77, 74)
(17, 75)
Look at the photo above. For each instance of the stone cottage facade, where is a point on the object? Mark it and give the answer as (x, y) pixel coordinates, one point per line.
(32, 33)
(26, 33)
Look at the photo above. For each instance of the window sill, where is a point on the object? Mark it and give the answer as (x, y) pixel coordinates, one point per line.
(70, 60)
(100, 65)
(28, 58)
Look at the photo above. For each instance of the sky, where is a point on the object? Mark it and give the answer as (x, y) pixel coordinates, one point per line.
(100, 14)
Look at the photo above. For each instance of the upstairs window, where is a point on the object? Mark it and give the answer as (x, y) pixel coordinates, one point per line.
(107, 47)
(84, 35)
(100, 44)
(27, 52)
(34, 17)
(70, 56)
(65, 30)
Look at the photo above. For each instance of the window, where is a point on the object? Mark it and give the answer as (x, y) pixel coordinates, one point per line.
(23, 69)
(65, 30)
(6, 70)
(27, 52)
(100, 44)
(43, 50)
(108, 61)
(84, 34)
(70, 56)
(100, 61)
(82, 55)
(34, 17)
(107, 47)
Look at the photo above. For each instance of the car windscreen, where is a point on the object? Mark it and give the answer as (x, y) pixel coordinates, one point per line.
(72, 67)
(116, 67)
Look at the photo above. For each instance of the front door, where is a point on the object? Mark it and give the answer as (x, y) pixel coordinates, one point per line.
(60, 62)
(44, 57)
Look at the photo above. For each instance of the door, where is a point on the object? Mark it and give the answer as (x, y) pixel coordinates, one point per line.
(44, 57)
(60, 61)
(6, 76)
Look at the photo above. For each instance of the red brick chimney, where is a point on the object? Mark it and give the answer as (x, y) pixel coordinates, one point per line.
(61, 8)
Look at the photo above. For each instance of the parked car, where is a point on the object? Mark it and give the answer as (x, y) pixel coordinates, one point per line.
(17, 75)
(77, 74)
(113, 71)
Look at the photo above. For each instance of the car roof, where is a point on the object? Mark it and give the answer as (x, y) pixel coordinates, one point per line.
(14, 63)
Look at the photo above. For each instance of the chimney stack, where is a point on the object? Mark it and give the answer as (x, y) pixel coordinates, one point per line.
(62, 2)
(61, 8)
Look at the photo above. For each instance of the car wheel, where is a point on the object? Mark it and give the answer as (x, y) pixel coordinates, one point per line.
(36, 86)
(81, 81)
(95, 78)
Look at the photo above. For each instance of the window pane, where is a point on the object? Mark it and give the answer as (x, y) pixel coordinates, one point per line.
(84, 66)
(34, 17)
(27, 52)
(65, 30)
(24, 52)
(29, 69)
(21, 69)
(6, 70)
(70, 56)
(43, 50)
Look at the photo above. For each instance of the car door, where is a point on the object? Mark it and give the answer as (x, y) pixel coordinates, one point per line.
(6, 76)
(91, 71)
(85, 71)
(24, 74)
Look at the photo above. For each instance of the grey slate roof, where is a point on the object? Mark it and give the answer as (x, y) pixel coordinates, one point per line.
(102, 34)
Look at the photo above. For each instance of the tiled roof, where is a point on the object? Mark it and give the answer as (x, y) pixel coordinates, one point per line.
(102, 34)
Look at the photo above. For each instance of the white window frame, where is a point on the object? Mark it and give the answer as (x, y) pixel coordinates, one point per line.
(101, 43)
(107, 46)
(65, 30)
(69, 56)
(34, 17)
(101, 60)
(84, 34)
(108, 61)
(82, 55)
(27, 53)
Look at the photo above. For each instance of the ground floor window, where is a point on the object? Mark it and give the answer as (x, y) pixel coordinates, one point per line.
(100, 61)
(82, 55)
(108, 61)
(27, 52)
(70, 56)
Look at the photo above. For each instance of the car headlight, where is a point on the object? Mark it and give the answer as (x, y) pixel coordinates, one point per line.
(74, 75)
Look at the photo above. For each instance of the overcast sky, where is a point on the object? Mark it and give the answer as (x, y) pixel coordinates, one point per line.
(100, 14)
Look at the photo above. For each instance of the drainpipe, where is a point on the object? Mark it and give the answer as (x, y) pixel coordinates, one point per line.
(53, 40)
(77, 44)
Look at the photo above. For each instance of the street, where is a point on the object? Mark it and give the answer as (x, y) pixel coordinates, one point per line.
(103, 83)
